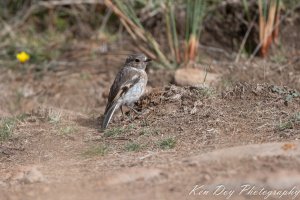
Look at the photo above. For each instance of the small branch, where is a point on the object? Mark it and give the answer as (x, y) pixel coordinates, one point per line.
(119, 13)
(244, 41)
(105, 19)
(54, 3)
(8, 29)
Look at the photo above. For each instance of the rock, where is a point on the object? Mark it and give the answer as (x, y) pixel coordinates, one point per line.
(194, 77)
(32, 176)
(27, 175)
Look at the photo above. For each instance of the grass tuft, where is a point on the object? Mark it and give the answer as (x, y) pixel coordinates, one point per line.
(54, 116)
(290, 123)
(204, 92)
(146, 42)
(285, 125)
(96, 151)
(113, 132)
(8, 124)
(6, 128)
(66, 130)
(168, 143)
(132, 147)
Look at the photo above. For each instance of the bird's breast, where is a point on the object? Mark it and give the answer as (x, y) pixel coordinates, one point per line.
(135, 92)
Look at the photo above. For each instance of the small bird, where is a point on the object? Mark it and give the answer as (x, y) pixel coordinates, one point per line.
(129, 85)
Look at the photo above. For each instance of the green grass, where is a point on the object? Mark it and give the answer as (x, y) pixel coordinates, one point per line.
(132, 147)
(113, 132)
(290, 123)
(292, 95)
(278, 59)
(54, 117)
(204, 92)
(288, 95)
(8, 125)
(6, 128)
(100, 150)
(66, 130)
(297, 117)
(168, 143)
(285, 125)
(176, 54)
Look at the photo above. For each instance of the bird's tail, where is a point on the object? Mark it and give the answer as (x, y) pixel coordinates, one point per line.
(109, 113)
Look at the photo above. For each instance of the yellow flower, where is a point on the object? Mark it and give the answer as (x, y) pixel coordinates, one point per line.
(23, 57)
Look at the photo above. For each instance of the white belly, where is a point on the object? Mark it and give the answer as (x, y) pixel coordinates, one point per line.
(134, 93)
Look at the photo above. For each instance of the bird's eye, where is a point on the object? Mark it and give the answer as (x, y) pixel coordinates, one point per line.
(137, 60)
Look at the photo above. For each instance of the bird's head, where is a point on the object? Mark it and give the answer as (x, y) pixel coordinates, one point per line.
(138, 61)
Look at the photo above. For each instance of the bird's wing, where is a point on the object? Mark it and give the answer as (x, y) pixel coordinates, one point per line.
(125, 79)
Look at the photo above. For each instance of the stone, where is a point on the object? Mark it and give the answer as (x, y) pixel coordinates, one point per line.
(194, 77)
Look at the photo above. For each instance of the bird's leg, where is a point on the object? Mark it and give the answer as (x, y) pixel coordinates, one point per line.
(123, 115)
(137, 112)
(121, 111)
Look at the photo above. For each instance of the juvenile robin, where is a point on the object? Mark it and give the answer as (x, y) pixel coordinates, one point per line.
(128, 86)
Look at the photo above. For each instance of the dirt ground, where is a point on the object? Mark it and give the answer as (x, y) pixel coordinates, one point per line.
(207, 142)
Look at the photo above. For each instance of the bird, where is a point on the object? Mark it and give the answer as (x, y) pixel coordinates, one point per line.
(129, 85)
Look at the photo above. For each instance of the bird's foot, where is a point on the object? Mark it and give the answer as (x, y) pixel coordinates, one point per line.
(134, 110)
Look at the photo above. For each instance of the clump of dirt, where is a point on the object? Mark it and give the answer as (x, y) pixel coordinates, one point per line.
(254, 112)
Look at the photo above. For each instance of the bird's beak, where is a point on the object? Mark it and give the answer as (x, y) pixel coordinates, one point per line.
(148, 60)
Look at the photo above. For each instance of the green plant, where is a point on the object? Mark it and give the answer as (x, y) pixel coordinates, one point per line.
(204, 92)
(8, 125)
(168, 143)
(36, 27)
(6, 128)
(54, 116)
(171, 31)
(291, 95)
(290, 123)
(246, 9)
(132, 146)
(127, 16)
(66, 130)
(195, 10)
(113, 132)
(285, 125)
(100, 150)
